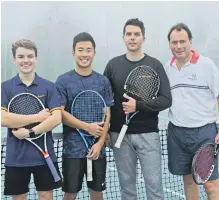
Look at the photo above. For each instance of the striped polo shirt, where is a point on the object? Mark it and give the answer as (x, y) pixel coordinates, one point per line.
(194, 91)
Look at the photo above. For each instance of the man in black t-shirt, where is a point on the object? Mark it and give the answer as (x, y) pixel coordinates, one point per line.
(142, 138)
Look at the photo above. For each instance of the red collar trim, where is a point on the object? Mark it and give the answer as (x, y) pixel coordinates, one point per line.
(193, 60)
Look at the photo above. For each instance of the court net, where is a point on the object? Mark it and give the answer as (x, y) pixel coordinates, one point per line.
(173, 186)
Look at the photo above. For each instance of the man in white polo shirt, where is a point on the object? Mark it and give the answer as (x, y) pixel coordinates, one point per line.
(194, 81)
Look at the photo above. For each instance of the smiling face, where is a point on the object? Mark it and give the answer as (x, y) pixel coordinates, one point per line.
(25, 60)
(84, 53)
(180, 44)
(133, 38)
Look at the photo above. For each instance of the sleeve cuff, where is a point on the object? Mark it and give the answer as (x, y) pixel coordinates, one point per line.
(3, 108)
(57, 108)
(138, 105)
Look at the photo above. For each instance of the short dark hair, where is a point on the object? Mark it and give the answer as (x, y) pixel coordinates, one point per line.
(82, 37)
(135, 22)
(179, 27)
(27, 44)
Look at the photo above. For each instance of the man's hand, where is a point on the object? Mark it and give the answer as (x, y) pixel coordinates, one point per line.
(217, 139)
(95, 129)
(130, 106)
(21, 133)
(95, 151)
(43, 114)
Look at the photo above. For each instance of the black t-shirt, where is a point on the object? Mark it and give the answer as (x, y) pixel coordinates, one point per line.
(146, 120)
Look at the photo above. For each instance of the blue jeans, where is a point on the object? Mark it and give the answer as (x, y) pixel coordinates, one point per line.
(147, 148)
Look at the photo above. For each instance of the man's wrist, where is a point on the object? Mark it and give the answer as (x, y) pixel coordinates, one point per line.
(86, 127)
(31, 133)
(101, 142)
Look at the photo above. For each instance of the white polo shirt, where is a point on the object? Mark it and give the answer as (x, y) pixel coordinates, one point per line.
(194, 91)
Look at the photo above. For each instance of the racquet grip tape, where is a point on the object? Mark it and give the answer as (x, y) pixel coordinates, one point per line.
(121, 136)
(89, 170)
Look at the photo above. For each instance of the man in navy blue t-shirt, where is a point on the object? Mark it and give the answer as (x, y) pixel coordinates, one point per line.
(22, 157)
(74, 151)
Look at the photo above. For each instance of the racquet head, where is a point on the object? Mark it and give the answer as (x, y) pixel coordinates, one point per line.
(26, 104)
(142, 83)
(89, 106)
(204, 162)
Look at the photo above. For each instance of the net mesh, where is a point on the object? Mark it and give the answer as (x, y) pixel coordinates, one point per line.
(173, 186)
(142, 83)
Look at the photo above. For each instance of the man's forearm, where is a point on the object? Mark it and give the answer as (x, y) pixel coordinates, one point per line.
(155, 105)
(50, 123)
(164, 97)
(106, 127)
(73, 122)
(12, 120)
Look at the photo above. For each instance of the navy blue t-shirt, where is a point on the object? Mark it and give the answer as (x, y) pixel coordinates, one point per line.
(21, 153)
(69, 85)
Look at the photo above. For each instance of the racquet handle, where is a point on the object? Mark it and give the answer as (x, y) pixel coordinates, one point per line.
(53, 169)
(89, 170)
(121, 136)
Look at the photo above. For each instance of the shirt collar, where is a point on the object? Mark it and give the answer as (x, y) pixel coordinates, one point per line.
(36, 80)
(194, 59)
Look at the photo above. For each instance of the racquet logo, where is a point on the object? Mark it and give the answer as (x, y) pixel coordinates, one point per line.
(192, 77)
(40, 96)
(146, 76)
